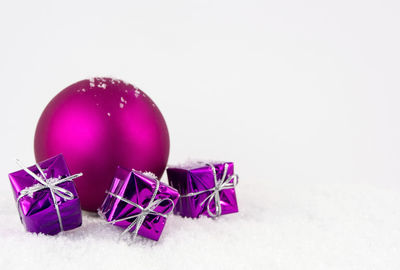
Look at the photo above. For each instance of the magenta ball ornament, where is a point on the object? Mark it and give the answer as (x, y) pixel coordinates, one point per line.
(99, 124)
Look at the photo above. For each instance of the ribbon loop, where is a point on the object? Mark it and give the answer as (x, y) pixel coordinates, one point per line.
(144, 211)
(51, 184)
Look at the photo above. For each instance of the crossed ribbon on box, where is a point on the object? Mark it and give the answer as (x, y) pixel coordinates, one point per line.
(220, 184)
(144, 211)
(51, 184)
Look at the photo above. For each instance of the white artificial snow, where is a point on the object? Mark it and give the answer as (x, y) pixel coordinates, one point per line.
(30, 190)
(193, 163)
(137, 92)
(150, 175)
(281, 225)
(187, 165)
(91, 82)
(101, 82)
(102, 85)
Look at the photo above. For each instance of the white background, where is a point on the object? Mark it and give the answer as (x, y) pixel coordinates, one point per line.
(302, 95)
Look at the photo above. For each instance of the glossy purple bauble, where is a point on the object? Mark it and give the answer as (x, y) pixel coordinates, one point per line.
(99, 124)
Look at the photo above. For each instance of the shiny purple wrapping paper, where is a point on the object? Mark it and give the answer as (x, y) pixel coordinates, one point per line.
(138, 188)
(198, 178)
(38, 213)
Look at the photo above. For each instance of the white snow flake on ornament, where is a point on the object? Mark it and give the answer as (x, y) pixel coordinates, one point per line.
(137, 92)
(121, 105)
(91, 82)
(102, 85)
(109, 114)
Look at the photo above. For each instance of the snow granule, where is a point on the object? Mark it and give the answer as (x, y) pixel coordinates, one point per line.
(137, 92)
(91, 82)
(150, 175)
(193, 163)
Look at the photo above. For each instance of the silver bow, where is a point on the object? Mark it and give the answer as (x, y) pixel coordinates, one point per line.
(51, 184)
(144, 211)
(220, 184)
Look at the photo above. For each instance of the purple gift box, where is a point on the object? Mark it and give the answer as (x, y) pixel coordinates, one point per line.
(46, 197)
(139, 203)
(206, 189)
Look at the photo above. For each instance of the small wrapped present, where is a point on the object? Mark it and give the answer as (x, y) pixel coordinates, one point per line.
(46, 197)
(139, 203)
(206, 189)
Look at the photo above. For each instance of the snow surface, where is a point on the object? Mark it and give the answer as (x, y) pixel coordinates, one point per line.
(318, 226)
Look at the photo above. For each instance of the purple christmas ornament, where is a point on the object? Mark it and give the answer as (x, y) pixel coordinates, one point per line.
(139, 203)
(46, 197)
(206, 189)
(98, 124)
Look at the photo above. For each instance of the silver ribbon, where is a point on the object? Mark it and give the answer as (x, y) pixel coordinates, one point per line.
(220, 184)
(51, 184)
(144, 211)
